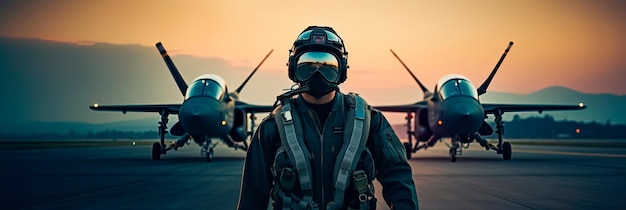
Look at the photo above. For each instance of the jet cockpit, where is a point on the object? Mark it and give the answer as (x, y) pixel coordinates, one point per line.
(453, 85)
(207, 85)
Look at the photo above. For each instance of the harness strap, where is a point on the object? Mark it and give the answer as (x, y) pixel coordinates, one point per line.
(297, 154)
(290, 201)
(358, 119)
(351, 151)
(360, 181)
(286, 203)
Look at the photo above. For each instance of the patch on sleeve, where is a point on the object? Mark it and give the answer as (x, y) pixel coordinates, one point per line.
(393, 148)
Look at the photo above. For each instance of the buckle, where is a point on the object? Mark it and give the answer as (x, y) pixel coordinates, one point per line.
(360, 181)
(362, 198)
(287, 179)
(287, 116)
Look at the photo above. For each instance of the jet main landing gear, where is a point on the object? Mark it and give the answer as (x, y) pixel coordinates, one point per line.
(156, 151)
(159, 148)
(408, 146)
(503, 147)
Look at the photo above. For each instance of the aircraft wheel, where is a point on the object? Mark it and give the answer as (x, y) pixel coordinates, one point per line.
(452, 155)
(209, 155)
(506, 150)
(407, 148)
(156, 151)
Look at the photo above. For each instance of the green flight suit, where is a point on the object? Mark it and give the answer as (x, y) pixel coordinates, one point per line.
(392, 169)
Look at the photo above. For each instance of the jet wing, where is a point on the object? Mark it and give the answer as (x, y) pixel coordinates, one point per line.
(250, 108)
(170, 108)
(493, 108)
(403, 108)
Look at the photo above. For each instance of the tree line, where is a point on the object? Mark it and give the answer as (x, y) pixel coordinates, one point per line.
(547, 127)
(71, 134)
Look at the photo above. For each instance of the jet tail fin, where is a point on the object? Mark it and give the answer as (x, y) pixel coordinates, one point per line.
(182, 85)
(424, 89)
(249, 76)
(483, 88)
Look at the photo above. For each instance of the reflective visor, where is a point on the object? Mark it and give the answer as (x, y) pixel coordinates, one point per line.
(310, 62)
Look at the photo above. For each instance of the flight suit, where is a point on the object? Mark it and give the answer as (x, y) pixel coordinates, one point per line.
(392, 169)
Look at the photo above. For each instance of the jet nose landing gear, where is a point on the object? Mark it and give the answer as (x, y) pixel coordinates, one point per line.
(207, 150)
(208, 154)
(453, 152)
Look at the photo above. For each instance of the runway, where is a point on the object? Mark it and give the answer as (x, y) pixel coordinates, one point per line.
(124, 177)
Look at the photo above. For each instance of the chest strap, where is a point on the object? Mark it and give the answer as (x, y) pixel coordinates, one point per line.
(297, 154)
(353, 146)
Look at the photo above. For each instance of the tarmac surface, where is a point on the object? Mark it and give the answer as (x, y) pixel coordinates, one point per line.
(124, 177)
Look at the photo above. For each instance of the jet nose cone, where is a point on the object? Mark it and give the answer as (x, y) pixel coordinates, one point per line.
(202, 116)
(196, 110)
(464, 111)
(463, 116)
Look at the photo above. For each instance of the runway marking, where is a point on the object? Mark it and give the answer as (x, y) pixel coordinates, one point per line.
(569, 153)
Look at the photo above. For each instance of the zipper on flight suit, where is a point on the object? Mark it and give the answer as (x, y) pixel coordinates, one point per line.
(321, 134)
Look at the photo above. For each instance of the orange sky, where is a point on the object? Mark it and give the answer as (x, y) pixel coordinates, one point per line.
(574, 43)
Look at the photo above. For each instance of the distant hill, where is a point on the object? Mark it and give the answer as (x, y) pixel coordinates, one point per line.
(53, 81)
(38, 127)
(547, 128)
(45, 82)
(600, 107)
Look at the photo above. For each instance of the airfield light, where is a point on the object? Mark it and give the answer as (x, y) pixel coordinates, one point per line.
(133, 143)
(581, 104)
(439, 122)
(577, 130)
(223, 122)
(408, 116)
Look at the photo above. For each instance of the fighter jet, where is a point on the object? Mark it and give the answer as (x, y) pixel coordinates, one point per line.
(454, 110)
(208, 111)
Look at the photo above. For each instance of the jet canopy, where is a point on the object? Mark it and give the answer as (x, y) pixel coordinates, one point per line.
(454, 85)
(207, 86)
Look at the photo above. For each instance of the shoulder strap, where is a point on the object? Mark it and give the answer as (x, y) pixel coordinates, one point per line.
(357, 118)
(291, 140)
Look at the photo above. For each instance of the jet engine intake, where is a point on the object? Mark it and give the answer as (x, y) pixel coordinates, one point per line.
(422, 131)
(485, 129)
(239, 132)
(177, 130)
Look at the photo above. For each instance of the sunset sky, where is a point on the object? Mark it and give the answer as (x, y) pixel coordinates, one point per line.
(574, 43)
(579, 44)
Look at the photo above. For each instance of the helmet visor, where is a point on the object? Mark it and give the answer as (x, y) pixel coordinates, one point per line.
(310, 62)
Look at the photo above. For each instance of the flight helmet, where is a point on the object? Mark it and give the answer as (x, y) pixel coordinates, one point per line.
(318, 49)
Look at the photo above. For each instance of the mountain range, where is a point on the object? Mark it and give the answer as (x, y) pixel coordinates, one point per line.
(600, 107)
(48, 86)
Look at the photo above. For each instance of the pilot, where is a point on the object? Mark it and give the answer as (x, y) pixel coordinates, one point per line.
(321, 148)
